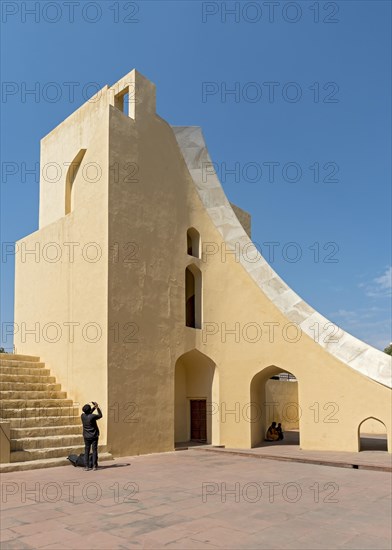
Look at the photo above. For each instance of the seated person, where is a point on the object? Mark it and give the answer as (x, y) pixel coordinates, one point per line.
(280, 431)
(272, 434)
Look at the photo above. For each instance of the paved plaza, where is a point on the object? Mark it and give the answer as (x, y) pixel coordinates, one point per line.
(196, 499)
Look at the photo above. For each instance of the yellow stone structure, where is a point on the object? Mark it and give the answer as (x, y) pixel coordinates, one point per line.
(142, 290)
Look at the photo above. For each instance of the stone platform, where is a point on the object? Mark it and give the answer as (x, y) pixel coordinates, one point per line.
(196, 499)
(373, 457)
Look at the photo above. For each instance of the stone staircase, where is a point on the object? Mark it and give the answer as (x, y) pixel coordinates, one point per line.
(45, 426)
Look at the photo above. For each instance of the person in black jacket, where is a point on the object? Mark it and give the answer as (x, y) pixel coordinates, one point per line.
(90, 433)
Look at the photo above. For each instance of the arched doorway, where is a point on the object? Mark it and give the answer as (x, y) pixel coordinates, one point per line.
(274, 398)
(196, 395)
(372, 435)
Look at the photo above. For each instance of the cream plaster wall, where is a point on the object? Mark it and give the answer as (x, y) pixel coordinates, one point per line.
(281, 404)
(61, 290)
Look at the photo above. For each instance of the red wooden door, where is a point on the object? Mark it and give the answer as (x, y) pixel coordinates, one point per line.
(199, 419)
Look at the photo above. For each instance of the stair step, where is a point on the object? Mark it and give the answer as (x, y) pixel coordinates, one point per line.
(22, 371)
(24, 432)
(33, 403)
(28, 395)
(41, 412)
(22, 364)
(54, 441)
(27, 378)
(19, 357)
(28, 386)
(45, 422)
(46, 463)
(57, 452)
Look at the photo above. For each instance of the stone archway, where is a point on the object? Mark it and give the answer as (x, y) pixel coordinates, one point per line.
(274, 399)
(196, 395)
(372, 435)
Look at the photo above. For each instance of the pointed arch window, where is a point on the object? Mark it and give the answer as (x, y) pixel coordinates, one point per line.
(193, 242)
(193, 297)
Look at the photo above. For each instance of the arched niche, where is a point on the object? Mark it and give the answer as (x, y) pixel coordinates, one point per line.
(69, 181)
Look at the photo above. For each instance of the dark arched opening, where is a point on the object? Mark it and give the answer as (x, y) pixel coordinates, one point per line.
(372, 435)
(193, 297)
(193, 242)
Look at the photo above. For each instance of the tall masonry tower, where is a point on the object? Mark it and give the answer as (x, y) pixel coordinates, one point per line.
(146, 294)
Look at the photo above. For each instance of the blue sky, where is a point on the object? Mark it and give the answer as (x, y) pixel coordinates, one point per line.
(311, 95)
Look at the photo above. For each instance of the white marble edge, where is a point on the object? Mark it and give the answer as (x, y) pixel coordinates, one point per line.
(356, 354)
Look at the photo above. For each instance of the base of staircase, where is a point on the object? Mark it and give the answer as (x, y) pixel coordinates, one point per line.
(43, 463)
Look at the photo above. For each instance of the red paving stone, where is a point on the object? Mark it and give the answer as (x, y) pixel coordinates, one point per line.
(195, 499)
(288, 451)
